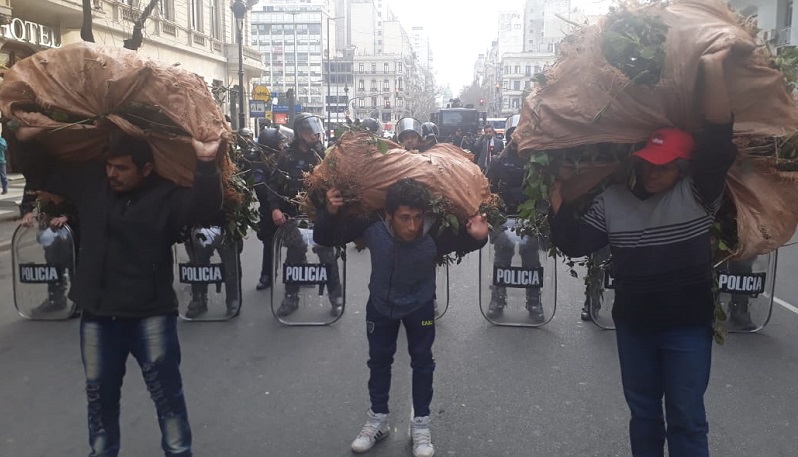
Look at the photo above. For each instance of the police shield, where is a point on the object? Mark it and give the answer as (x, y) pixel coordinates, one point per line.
(208, 276)
(308, 280)
(43, 262)
(518, 279)
(745, 291)
(600, 289)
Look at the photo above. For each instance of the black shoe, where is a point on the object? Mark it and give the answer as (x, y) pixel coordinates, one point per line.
(233, 307)
(496, 306)
(196, 309)
(742, 321)
(586, 312)
(49, 306)
(289, 305)
(4, 192)
(535, 312)
(264, 283)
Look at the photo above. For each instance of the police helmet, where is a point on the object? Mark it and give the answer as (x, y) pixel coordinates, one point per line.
(245, 132)
(408, 124)
(307, 122)
(429, 130)
(275, 138)
(509, 126)
(372, 125)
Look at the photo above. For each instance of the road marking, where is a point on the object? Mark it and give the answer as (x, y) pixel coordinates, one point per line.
(785, 305)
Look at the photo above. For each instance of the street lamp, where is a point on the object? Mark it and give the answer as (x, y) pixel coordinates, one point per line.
(239, 9)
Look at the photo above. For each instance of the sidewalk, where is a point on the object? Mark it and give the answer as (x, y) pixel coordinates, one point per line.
(9, 209)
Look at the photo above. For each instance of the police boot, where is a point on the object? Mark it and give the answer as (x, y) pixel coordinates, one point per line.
(498, 301)
(56, 301)
(586, 311)
(289, 305)
(740, 315)
(264, 282)
(336, 301)
(197, 306)
(533, 306)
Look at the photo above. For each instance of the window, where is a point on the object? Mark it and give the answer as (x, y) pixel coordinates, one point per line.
(373, 85)
(516, 85)
(361, 85)
(374, 68)
(506, 84)
(517, 69)
(373, 102)
(399, 84)
(528, 71)
(388, 102)
(361, 103)
(385, 67)
(386, 85)
(788, 15)
(360, 68)
(196, 15)
(516, 102)
(216, 21)
(399, 67)
(167, 9)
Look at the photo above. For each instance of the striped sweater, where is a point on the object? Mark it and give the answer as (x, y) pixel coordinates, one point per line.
(660, 243)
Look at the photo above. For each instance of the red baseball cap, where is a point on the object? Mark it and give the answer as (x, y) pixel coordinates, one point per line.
(667, 145)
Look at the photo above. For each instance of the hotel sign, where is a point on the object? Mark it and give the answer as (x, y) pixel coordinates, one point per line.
(30, 32)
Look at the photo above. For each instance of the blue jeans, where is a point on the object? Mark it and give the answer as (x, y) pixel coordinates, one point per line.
(3, 177)
(673, 363)
(105, 343)
(382, 334)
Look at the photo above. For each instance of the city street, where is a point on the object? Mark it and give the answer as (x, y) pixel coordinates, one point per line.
(257, 388)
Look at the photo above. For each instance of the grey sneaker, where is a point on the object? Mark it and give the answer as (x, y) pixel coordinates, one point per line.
(422, 438)
(375, 429)
(289, 305)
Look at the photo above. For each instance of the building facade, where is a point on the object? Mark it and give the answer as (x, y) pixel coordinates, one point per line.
(294, 38)
(199, 35)
(774, 18)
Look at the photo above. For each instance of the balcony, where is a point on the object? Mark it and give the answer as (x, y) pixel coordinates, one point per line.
(783, 37)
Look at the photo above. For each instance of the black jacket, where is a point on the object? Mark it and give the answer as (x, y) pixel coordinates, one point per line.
(126, 267)
(506, 176)
(480, 150)
(288, 178)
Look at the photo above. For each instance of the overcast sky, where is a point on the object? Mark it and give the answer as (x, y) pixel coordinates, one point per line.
(459, 31)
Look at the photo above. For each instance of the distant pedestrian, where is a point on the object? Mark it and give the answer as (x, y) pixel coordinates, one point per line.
(3, 175)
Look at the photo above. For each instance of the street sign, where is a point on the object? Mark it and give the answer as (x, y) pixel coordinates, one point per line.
(261, 92)
(284, 108)
(257, 108)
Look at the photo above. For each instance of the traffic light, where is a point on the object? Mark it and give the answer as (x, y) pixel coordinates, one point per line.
(387, 104)
(481, 102)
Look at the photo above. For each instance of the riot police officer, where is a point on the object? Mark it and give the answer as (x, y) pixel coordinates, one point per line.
(272, 141)
(429, 136)
(409, 133)
(301, 156)
(506, 176)
(372, 125)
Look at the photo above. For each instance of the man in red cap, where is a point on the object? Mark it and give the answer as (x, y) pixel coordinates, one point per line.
(657, 229)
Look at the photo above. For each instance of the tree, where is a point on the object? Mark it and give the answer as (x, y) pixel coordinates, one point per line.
(136, 39)
(471, 95)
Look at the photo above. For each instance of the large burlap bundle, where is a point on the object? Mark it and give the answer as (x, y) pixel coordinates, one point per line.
(81, 93)
(766, 205)
(588, 101)
(363, 173)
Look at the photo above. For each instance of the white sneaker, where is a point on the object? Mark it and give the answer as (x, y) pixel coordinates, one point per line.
(422, 438)
(376, 428)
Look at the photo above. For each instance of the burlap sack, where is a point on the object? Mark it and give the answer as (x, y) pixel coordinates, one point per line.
(767, 209)
(563, 113)
(363, 174)
(109, 88)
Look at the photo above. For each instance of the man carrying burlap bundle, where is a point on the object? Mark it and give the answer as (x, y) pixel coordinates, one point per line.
(658, 230)
(401, 291)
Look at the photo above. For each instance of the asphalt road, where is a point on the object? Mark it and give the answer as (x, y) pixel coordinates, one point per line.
(257, 388)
